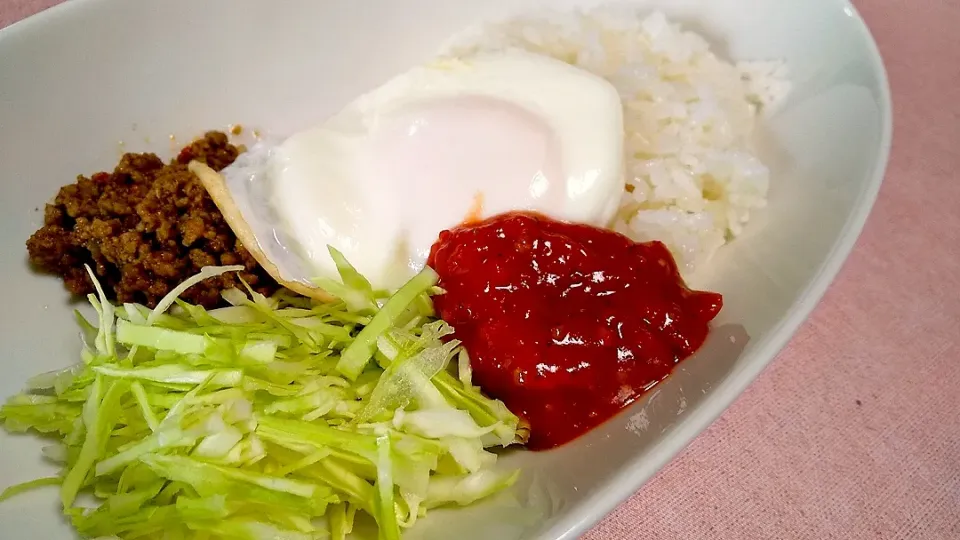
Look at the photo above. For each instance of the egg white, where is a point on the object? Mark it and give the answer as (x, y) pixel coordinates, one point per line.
(441, 143)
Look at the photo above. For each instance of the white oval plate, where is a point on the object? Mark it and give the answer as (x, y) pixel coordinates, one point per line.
(79, 78)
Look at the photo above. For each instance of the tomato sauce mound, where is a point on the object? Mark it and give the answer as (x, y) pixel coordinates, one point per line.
(566, 323)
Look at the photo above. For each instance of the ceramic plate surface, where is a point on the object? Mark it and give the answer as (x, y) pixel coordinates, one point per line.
(81, 78)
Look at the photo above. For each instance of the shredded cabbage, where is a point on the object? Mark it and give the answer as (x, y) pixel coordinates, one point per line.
(266, 419)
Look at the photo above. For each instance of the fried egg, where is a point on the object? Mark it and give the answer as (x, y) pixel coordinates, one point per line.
(453, 141)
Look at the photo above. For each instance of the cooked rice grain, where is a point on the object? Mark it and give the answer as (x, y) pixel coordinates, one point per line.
(692, 176)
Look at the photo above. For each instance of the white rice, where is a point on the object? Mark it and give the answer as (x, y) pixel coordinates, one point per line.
(692, 177)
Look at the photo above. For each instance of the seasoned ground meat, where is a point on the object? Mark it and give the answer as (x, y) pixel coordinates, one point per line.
(144, 228)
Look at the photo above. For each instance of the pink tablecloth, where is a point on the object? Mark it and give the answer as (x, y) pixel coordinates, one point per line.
(854, 431)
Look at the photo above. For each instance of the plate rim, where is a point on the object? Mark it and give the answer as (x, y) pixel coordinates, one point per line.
(636, 472)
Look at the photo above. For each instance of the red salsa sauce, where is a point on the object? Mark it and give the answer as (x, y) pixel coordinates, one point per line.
(566, 323)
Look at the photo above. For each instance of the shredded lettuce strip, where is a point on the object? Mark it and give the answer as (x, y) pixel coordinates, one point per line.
(274, 418)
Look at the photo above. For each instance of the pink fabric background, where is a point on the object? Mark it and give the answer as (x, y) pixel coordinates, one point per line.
(854, 431)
